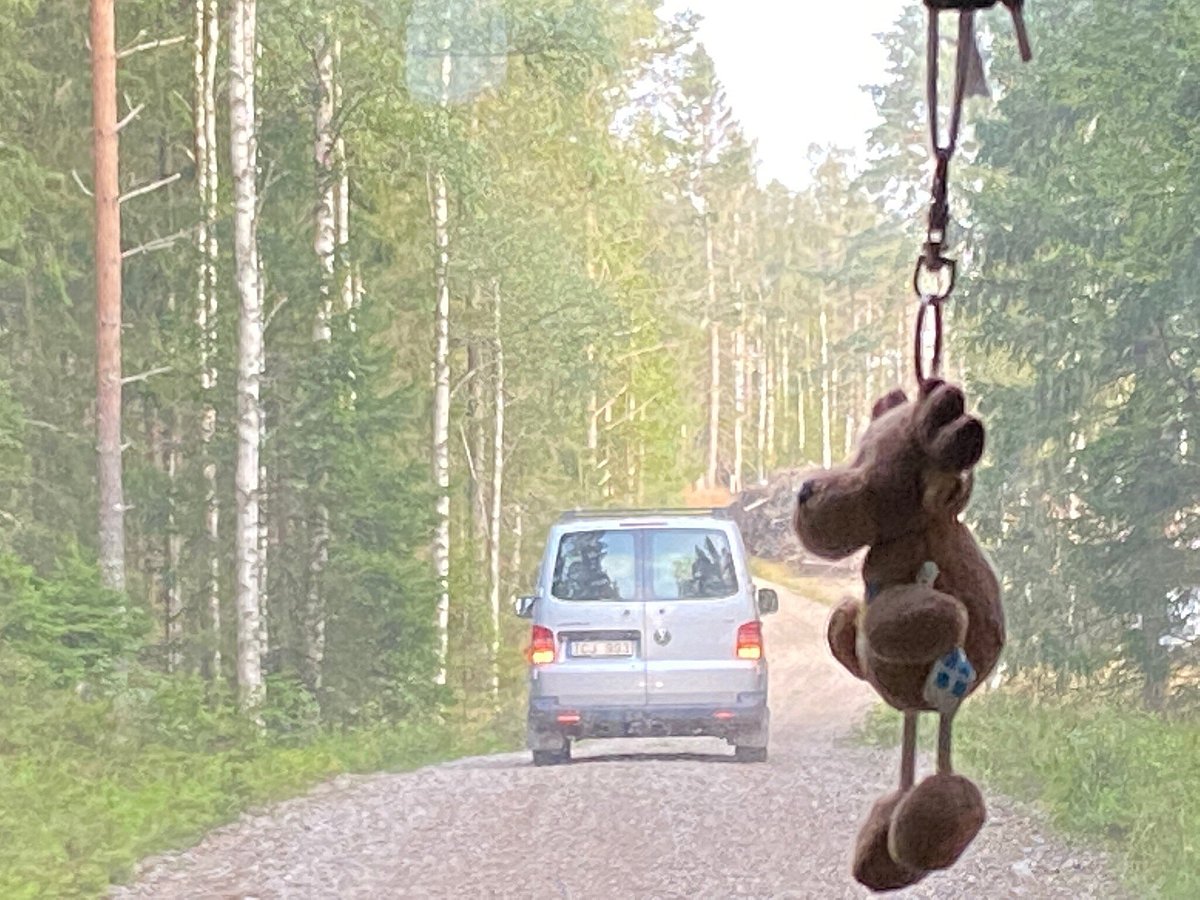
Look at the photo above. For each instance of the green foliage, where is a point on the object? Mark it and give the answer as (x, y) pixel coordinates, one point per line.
(1102, 770)
(91, 786)
(1081, 316)
(65, 629)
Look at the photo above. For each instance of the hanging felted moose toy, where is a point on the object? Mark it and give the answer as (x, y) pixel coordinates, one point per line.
(930, 626)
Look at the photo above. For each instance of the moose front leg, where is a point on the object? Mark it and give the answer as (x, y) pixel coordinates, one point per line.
(908, 751)
(936, 820)
(874, 865)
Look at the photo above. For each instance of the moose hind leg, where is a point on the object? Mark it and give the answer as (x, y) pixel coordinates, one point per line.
(842, 634)
(913, 624)
(938, 819)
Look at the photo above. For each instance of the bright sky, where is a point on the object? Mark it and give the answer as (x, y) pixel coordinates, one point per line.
(793, 71)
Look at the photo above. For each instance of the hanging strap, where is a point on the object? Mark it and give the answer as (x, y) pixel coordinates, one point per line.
(1016, 9)
(934, 275)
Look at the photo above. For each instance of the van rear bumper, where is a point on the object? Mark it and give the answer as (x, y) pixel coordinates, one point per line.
(549, 721)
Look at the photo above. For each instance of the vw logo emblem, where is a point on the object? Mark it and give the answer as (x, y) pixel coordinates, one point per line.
(662, 637)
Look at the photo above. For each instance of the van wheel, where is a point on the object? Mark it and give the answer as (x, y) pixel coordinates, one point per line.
(552, 757)
(750, 754)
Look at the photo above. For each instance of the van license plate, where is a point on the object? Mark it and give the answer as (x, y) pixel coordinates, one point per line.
(593, 649)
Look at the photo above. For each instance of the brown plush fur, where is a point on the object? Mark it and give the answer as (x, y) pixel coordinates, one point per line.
(874, 865)
(901, 496)
(934, 822)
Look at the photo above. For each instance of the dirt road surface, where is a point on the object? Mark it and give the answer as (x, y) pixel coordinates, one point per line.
(653, 819)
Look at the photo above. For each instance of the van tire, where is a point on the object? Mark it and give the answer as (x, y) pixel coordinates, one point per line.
(552, 757)
(750, 754)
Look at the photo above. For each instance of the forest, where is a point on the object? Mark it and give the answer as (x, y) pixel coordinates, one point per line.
(399, 282)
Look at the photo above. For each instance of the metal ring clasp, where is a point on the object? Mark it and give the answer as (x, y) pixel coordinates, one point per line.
(944, 272)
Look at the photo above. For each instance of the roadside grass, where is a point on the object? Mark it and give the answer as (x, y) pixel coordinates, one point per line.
(83, 796)
(827, 590)
(1125, 779)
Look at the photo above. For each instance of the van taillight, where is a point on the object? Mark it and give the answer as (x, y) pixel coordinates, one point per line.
(541, 645)
(749, 641)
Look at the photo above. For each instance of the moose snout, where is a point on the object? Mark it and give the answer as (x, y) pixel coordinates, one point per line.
(805, 493)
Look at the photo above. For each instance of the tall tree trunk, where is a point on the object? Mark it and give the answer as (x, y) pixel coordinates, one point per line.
(494, 545)
(167, 460)
(801, 417)
(760, 353)
(769, 387)
(605, 464)
(742, 365)
(785, 387)
(264, 514)
(826, 390)
(714, 360)
(439, 193)
(631, 454)
(244, 159)
(441, 415)
(350, 290)
(325, 236)
(741, 368)
(477, 438)
(207, 40)
(640, 485)
(152, 547)
(592, 463)
(848, 435)
(871, 360)
(714, 401)
(173, 594)
(264, 489)
(106, 186)
(325, 249)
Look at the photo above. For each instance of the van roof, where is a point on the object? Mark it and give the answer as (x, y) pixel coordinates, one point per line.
(575, 515)
(587, 519)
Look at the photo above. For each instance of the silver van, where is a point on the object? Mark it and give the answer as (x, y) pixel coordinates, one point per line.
(646, 623)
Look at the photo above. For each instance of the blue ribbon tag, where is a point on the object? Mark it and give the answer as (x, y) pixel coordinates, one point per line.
(948, 682)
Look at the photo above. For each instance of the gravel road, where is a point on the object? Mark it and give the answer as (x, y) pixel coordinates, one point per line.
(653, 819)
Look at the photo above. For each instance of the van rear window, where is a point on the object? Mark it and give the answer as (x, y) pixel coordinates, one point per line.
(596, 565)
(691, 564)
(678, 563)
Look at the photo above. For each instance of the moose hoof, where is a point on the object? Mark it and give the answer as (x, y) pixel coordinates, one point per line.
(874, 867)
(935, 822)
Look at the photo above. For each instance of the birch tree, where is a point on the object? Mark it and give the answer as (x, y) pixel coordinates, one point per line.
(440, 212)
(714, 361)
(476, 431)
(494, 542)
(244, 160)
(325, 241)
(206, 41)
(826, 390)
(760, 358)
(740, 371)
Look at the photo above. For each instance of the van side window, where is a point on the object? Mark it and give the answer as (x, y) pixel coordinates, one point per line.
(691, 564)
(595, 565)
